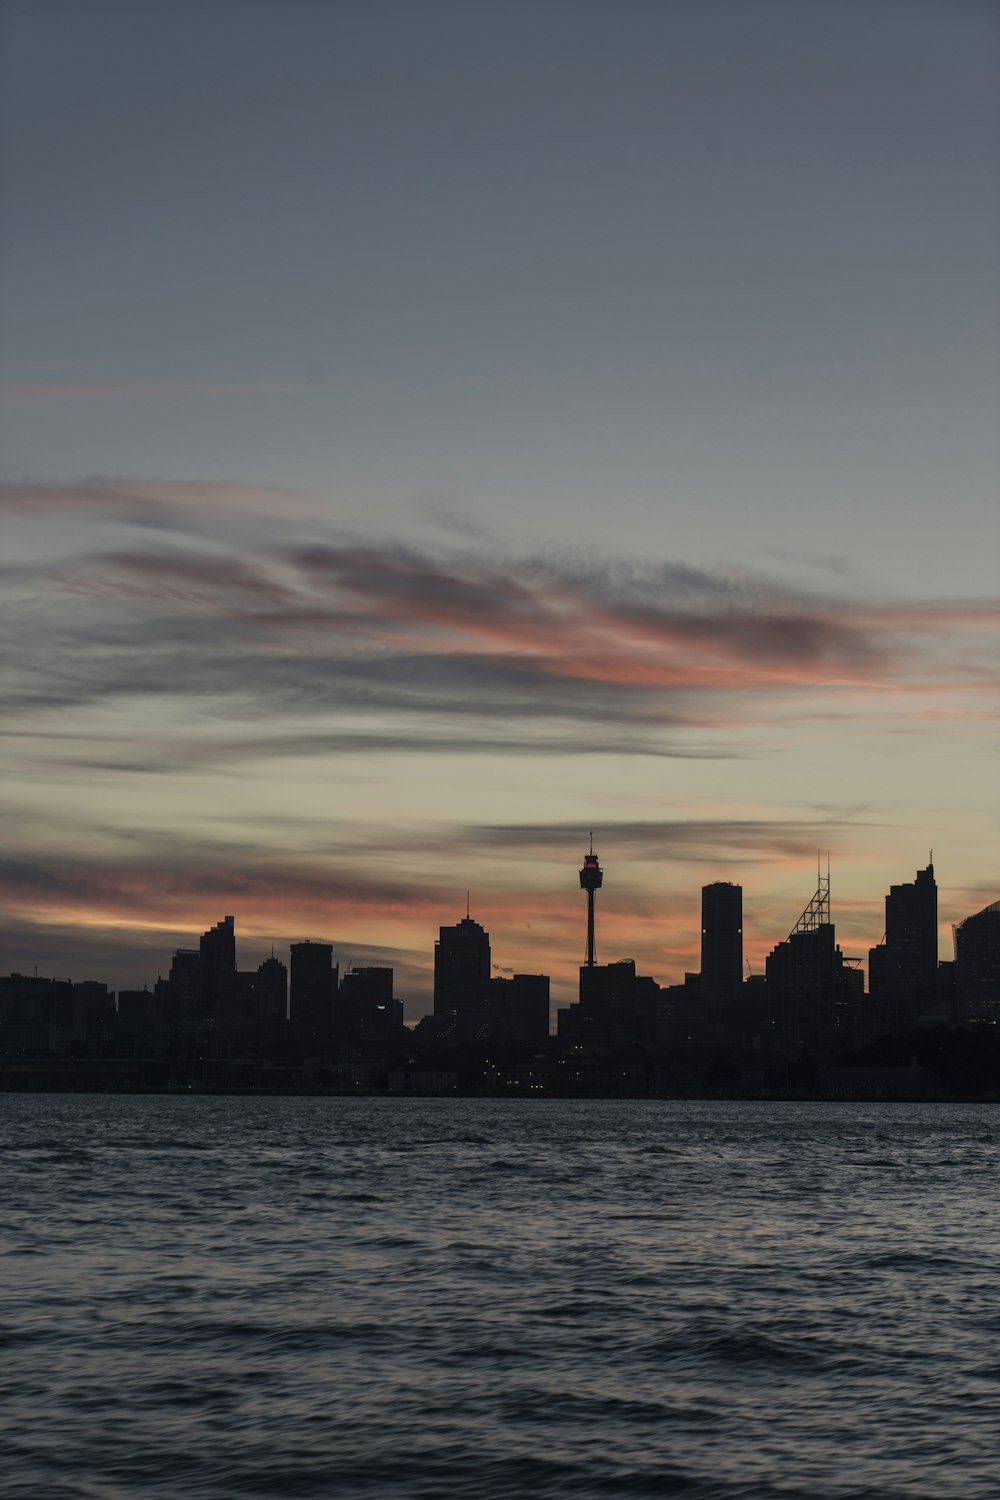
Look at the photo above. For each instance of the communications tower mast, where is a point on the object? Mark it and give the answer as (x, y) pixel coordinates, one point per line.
(591, 879)
(817, 913)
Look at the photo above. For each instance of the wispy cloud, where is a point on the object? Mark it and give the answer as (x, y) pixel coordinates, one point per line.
(164, 885)
(675, 839)
(469, 650)
(170, 505)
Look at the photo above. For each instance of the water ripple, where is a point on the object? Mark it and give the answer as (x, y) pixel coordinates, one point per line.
(429, 1299)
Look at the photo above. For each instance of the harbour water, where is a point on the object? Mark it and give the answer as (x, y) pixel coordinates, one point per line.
(222, 1297)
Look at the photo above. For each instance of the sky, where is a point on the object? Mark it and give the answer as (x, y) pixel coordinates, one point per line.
(432, 431)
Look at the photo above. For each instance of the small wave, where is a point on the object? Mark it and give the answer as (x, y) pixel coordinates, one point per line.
(755, 1348)
(900, 1260)
(734, 1346)
(278, 1337)
(580, 1309)
(158, 1143)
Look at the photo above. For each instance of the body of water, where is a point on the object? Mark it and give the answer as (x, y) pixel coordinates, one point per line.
(222, 1297)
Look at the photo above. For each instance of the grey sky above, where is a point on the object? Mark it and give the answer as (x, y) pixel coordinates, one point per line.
(564, 268)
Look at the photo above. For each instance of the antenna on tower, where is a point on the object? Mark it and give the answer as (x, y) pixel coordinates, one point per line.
(817, 913)
(467, 906)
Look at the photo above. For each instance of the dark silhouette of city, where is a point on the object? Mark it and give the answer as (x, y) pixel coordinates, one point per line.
(806, 1026)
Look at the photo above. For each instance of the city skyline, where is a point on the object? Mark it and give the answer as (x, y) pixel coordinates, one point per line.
(727, 951)
(430, 432)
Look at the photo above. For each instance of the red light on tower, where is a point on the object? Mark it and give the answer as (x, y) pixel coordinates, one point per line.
(591, 880)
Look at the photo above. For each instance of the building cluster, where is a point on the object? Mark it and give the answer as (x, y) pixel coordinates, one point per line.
(206, 1006)
(810, 1000)
(811, 996)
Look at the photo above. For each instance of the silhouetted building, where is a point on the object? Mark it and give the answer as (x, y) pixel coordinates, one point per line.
(272, 987)
(366, 1009)
(94, 1013)
(517, 1008)
(617, 1007)
(977, 966)
(37, 1015)
(721, 949)
(813, 993)
(902, 971)
(179, 994)
(683, 1015)
(946, 988)
(461, 967)
(217, 951)
(314, 984)
(752, 1017)
(136, 1019)
(801, 979)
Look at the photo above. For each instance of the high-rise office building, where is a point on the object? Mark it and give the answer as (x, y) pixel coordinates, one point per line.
(902, 971)
(272, 989)
(813, 993)
(721, 946)
(517, 1008)
(617, 1007)
(217, 965)
(313, 986)
(461, 967)
(977, 966)
(366, 1008)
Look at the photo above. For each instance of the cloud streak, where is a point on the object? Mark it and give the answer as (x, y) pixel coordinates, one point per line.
(323, 645)
(328, 629)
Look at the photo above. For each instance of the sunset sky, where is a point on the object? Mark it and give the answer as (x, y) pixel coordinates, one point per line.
(432, 431)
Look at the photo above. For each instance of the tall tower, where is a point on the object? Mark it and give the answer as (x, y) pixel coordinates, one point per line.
(591, 879)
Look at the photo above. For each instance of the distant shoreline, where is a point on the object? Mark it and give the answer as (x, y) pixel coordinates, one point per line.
(513, 1098)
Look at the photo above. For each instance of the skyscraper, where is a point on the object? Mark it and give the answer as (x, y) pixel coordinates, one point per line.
(812, 992)
(217, 966)
(272, 988)
(902, 971)
(366, 1008)
(977, 965)
(461, 967)
(721, 945)
(313, 986)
